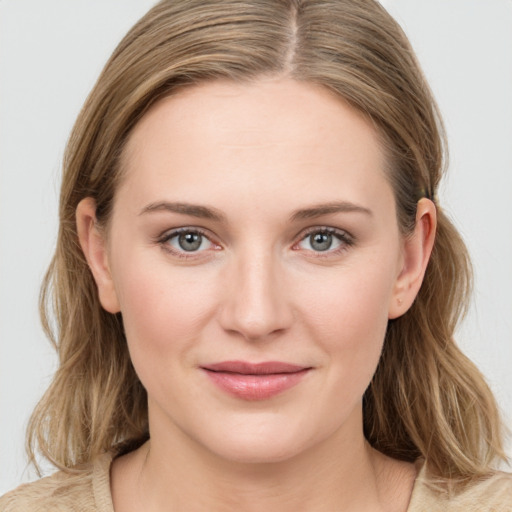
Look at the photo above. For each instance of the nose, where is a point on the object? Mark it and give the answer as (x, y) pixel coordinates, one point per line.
(256, 303)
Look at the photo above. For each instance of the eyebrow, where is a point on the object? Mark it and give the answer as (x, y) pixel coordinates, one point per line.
(204, 212)
(327, 209)
(193, 210)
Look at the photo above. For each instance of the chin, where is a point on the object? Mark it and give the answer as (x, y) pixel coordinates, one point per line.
(264, 445)
(259, 452)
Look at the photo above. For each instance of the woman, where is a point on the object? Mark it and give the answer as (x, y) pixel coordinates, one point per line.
(255, 286)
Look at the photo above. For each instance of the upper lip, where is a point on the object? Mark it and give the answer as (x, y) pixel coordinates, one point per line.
(246, 368)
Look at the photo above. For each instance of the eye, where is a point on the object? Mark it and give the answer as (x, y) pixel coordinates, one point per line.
(320, 241)
(325, 240)
(186, 240)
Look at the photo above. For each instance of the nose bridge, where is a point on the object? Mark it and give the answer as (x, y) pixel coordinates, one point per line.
(257, 303)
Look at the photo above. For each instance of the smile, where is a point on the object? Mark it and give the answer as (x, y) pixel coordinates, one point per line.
(255, 381)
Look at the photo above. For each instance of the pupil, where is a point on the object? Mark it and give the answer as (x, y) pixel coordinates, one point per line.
(190, 241)
(321, 241)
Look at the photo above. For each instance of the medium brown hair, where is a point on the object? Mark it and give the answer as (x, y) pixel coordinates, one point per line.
(426, 398)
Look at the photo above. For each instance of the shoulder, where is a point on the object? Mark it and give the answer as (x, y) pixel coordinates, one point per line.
(86, 490)
(492, 494)
(59, 492)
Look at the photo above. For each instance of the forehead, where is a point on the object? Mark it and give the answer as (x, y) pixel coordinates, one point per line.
(271, 136)
(251, 113)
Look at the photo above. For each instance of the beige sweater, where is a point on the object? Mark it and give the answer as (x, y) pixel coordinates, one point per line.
(89, 491)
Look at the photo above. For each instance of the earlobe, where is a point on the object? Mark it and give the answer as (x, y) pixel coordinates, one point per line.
(416, 254)
(94, 247)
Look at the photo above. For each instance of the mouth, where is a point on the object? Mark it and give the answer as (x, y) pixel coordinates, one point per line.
(252, 382)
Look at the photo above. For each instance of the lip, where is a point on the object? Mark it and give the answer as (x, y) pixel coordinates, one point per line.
(255, 381)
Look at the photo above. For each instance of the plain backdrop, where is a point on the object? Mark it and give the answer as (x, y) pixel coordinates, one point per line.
(51, 53)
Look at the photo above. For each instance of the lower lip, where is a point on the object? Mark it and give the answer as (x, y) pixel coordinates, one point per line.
(256, 387)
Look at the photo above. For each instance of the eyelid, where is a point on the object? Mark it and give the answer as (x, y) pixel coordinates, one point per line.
(346, 239)
(171, 233)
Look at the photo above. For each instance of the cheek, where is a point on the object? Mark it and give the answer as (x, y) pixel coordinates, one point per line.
(163, 308)
(348, 319)
(355, 299)
(164, 313)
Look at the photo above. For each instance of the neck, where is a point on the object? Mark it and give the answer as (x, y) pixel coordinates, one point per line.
(173, 472)
(302, 483)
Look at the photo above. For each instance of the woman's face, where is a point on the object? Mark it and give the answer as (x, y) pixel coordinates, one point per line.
(254, 224)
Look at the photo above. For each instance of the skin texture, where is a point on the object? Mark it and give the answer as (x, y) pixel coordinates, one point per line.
(256, 290)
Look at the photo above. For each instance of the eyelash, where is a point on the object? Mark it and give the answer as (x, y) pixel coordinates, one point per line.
(166, 237)
(346, 240)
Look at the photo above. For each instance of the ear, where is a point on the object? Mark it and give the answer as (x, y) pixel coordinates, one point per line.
(416, 254)
(94, 247)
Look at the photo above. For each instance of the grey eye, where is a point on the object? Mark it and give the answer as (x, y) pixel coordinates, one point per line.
(324, 241)
(320, 241)
(190, 241)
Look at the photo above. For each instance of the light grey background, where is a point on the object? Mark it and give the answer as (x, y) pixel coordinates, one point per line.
(50, 55)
